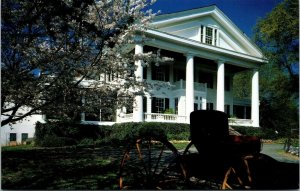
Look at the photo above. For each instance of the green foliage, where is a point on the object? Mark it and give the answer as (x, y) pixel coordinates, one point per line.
(63, 134)
(263, 133)
(55, 141)
(169, 111)
(242, 84)
(278, 36)
(67, 133)
(124, 132)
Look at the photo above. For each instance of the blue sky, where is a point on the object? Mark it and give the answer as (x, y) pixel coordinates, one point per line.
(243, 13)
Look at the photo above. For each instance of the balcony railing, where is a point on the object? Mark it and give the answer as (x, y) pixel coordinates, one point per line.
(173, 118)
(240, 122)
(181, 84)
(158, 117)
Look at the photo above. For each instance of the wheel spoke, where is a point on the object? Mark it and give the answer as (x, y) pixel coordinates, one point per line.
(149, 164)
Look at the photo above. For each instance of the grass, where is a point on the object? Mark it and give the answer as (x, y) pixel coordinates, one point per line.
(66, 168)
(60, 168)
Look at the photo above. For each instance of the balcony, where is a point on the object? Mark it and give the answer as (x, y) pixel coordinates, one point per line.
(181, 84)
(159, 117)
(173, 118)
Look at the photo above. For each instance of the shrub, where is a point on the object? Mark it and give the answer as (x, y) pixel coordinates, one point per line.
(118, 134)
(86, 142)
(55, 141)
(65, 133)
(259, 132)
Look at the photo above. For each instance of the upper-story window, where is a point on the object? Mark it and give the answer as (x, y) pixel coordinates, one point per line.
(208, 35)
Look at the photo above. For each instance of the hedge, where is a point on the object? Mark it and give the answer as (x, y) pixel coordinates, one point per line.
(55, 134)
(263, 133)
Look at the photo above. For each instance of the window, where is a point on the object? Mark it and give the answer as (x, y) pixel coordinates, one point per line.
(24, 137)
(159, 105)
(242, 112)
(209, 106)
(208, 35)
(160, 73)
(13, 137)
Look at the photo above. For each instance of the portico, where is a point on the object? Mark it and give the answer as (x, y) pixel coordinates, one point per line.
(220, 65)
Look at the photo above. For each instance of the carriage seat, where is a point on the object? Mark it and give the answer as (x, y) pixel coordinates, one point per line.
(209, 131)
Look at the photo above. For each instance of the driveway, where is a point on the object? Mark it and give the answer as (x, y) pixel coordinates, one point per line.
(276, 151)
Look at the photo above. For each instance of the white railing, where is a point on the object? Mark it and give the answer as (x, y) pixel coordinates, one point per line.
(181, 84)
(126, 118)
(240, 122)
(158, 117)
(172, 118)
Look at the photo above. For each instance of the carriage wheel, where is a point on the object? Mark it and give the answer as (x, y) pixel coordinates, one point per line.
(150, 163)
(238, 175)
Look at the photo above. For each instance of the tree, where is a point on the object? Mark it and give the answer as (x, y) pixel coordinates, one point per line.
(278, 36)
(53, 53)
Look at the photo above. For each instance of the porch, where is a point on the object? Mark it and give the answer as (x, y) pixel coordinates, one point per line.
(174, 118)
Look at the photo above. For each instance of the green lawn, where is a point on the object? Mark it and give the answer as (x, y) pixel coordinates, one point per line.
(71, 168)
(27, 167)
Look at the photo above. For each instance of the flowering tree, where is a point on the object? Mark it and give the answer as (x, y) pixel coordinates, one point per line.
(53, 53)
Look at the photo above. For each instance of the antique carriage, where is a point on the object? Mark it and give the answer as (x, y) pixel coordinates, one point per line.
(213, 159)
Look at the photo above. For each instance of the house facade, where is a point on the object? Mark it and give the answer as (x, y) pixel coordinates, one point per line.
(207, 51)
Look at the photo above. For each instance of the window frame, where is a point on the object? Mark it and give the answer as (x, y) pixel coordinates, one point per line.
(208, 34)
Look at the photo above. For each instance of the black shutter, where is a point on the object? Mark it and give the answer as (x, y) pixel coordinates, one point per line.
(145, 73)
(144, 104)
(153, 108)
(167, 103)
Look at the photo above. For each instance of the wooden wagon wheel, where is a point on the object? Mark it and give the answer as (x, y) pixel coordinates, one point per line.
(238, 175)
(150, 162)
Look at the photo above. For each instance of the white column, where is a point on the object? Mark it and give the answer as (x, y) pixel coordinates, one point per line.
(138, 99)
(255, 99)
(189, 94)
(220, 85)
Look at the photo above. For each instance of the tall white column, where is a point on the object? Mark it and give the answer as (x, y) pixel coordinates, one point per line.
(220, 85)
(255, 99)
(138, 99)
(189, 94)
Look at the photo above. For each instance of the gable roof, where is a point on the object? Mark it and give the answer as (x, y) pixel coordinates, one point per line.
(233, 35)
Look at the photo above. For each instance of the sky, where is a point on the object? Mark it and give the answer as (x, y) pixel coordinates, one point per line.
(243, 13)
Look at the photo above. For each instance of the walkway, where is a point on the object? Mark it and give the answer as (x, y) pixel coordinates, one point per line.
(276, 151)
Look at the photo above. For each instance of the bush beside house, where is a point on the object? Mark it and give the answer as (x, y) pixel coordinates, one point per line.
(56, 134)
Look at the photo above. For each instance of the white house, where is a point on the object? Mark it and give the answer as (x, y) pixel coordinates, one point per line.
(207, 49)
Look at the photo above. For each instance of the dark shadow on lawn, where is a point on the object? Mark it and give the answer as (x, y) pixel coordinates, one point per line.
(61, 168)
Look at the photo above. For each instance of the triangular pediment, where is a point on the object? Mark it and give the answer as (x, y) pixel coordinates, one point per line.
(193, 24)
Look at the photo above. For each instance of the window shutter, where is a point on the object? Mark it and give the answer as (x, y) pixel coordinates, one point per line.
(144, 104)
(145, 73)
(153, 108)
(167, 103)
